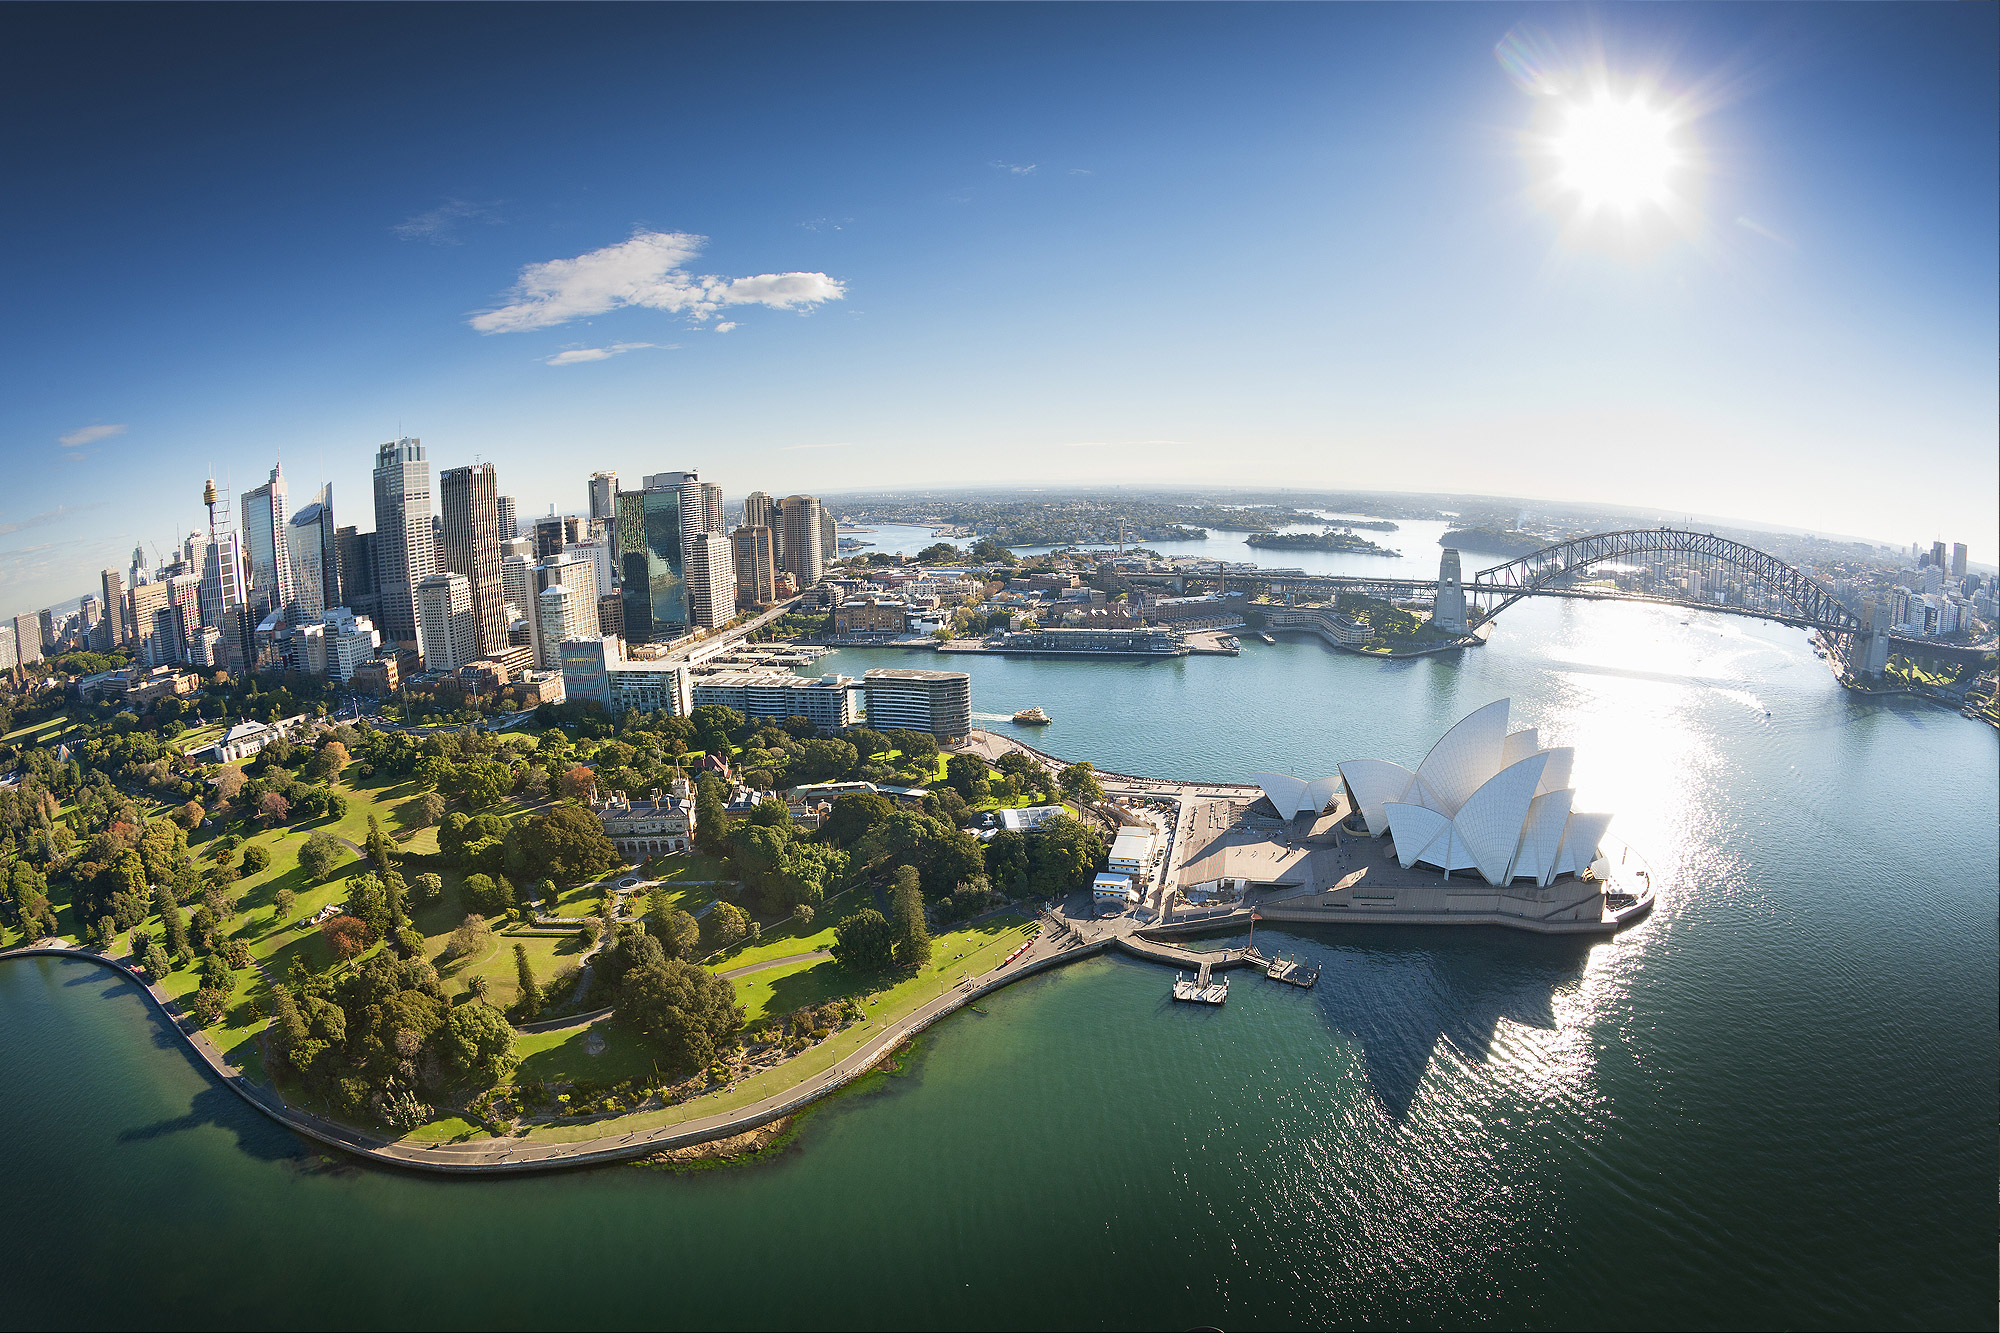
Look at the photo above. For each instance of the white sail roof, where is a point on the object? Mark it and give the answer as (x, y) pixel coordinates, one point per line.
(1462, 760)
(1291, 795)
(1370, 784)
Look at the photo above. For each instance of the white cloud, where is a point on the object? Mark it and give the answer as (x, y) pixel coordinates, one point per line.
(437, 225)
(1013, 168)
(578, 355)
(650, 270)
(89, 435)
(725, 326)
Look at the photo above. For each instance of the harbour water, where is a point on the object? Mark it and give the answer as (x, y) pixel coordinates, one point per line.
(1769, 1104)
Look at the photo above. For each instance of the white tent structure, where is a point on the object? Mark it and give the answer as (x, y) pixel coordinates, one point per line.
(1291, 795)
(1482, 799)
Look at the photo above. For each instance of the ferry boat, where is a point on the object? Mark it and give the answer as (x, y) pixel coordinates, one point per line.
(1032, 717)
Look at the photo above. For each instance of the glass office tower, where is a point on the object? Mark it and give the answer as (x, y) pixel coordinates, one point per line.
(650, 572)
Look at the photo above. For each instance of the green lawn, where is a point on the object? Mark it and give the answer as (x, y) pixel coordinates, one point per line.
(959, 954)
(786, 941)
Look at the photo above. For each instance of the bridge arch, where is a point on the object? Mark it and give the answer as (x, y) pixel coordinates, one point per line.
(1547, 569)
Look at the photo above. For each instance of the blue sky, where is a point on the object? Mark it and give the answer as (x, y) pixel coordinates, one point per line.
(963, 245)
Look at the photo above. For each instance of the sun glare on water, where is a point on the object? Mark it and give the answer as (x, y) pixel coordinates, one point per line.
(1616, 154)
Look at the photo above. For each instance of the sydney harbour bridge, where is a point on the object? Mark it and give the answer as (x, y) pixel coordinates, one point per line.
(1754, 582)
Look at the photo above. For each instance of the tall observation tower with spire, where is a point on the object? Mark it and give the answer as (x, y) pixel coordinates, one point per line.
(224, 590)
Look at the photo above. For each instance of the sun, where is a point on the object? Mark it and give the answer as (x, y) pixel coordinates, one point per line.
(1617, 155)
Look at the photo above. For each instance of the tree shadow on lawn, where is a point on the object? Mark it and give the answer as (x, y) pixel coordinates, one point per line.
(264, 898)
(816, 985)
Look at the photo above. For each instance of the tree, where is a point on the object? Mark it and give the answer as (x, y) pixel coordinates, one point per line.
(157, 965)
(478, 1046)
(328, 763)
(578, 782)
(680, 1010)
(345, 935)
(711, 822)
(190, 814)
(491, 895)
(470, 937)
(426, 889)
(566, 843)
(368, 900)
(714, 725)
(1018, 765)
(864, 943)
(256, 860)
(678, 933)
(273, 808)
(282, 903)
(940, 553)
(1079, 783)
(229, 782)
(916, 746)
(726, 925)
(966, 775)
(855, 815)
(336, 805)
(821, 761)
(1062, 855)
(911, 945)
(427, 809)
(322, 851)
(530, 1002)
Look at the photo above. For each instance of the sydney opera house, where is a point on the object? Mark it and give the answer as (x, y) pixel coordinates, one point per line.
(1483, 800)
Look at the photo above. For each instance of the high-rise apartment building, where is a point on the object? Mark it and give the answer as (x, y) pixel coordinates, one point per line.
(580, 578)
(757, 510)
(711, 580)
(140, 605)
(447, 621)
(756, 566)
(10, 656)
(27, 639)
(1958, 561)
(651, 563)
(264, 548)
(603, 495)
(517, 576)
(314, 545)
(598, 553)
(939, 702)
(559, 615)
(117, 626)
(829, 537)
(468, 502)
(508, 514)
(405, 554)
(799, 518)
(139, 572)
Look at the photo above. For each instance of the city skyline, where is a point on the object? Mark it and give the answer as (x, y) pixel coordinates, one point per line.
(1350, 248)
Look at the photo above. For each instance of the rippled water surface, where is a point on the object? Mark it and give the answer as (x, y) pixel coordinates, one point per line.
(1771, 1104)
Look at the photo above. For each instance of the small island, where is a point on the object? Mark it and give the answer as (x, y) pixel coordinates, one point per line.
(1333, 540)
(1493, 540)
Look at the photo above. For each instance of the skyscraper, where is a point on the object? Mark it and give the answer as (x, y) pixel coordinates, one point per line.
(559, 616)
(357, 570)
(603, 495)
(711, 580)
(1937, 554)
(757, 510)
(448, 622)
(468, 499)
(117, 628)
(510, 526)
(799, 517)
(224, 586)
(1958, 559)
(144, 604)
(314, 545)
(140, 572)
(404, 553)
(651, 571)
(756, 569)
(27, 639)
(517, 583)
(264, 532)
(829, 537)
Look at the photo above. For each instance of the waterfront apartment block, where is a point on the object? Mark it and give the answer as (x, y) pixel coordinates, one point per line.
(831, 703)
(1151, 641)
(1322, 620)
(939, 702)
(594, 671)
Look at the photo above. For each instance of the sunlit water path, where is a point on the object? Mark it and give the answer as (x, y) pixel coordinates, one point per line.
(1770, 1104)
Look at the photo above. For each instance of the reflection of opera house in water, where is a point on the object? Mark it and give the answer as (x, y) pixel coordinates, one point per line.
(1484, 830)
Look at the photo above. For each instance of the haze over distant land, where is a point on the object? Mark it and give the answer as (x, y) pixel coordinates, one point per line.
(1735, 260)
